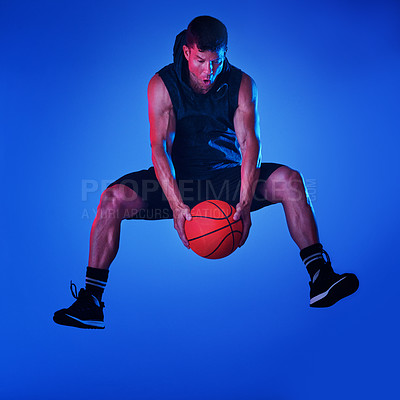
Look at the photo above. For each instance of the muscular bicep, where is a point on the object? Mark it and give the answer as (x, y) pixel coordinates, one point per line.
(246, 119)
(161, 114)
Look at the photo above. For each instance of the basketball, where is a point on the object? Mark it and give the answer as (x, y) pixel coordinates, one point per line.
(212, 232)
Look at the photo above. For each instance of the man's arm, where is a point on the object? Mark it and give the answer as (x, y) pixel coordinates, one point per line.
(247, 128)
(162, 129)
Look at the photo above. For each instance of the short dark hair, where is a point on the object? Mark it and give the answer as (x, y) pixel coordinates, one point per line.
(208, 33)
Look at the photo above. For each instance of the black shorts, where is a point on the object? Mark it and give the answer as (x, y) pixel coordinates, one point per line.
(223, 185)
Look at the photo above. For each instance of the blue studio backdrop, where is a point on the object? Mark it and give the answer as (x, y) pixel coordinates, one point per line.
(73, 82)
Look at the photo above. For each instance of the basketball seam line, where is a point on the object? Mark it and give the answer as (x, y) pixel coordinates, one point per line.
(222, 241)
(204, 216)
(216, 205)
(209, 233)
(229, 222)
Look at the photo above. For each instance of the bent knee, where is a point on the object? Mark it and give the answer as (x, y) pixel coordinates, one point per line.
(285, 184)
(287, 175)
(120, 199)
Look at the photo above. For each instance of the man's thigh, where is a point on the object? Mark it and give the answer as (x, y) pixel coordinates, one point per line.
(145, 184)
(223, 185)
(259, 200)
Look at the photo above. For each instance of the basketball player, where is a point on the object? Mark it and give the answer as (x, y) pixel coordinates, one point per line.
(204, 132)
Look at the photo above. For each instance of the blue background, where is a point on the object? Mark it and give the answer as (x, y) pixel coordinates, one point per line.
(73, 84)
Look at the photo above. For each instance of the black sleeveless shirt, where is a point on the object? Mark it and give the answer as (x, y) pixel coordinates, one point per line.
(205, 139)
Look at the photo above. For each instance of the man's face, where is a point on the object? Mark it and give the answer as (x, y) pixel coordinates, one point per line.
(204, 67)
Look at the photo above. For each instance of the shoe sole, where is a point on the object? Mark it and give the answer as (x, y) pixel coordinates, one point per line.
(69, 320)
(340, 289)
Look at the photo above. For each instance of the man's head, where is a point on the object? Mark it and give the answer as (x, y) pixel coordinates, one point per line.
(207, 33)
(205, 49)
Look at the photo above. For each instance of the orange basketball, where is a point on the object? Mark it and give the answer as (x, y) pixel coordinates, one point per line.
(212, 232)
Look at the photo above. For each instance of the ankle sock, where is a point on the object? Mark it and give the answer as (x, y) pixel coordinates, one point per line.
(314, 261)
(96, 280)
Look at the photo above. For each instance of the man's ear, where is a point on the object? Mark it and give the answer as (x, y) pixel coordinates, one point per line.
(186, 52)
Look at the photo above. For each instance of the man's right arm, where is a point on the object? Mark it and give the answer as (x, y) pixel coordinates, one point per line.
(162, 129)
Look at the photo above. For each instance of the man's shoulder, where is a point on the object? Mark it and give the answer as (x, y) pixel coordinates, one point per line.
(246, 81)
(244, 76)
(160, 76)
(248, 90)
(238, 80)
(166, 70)
(157, 94)
(241, 77)
(156, 88)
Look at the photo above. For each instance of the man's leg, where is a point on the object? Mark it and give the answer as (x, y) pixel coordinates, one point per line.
(286, 186)
(117, 202)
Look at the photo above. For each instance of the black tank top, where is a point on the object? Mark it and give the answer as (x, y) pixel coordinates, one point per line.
(205, 139)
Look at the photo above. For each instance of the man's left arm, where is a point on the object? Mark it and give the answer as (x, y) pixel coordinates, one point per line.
(247, 128)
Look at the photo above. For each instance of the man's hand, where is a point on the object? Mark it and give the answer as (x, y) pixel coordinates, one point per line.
(243, 211)
(181, 214)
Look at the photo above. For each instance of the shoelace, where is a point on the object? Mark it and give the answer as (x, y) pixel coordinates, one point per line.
(75, 294)
(73, 289)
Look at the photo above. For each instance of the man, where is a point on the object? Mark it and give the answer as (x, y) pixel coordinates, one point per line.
(204, 132)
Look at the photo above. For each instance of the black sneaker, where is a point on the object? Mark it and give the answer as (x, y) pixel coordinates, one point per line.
(86, 312)
(329, 287)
